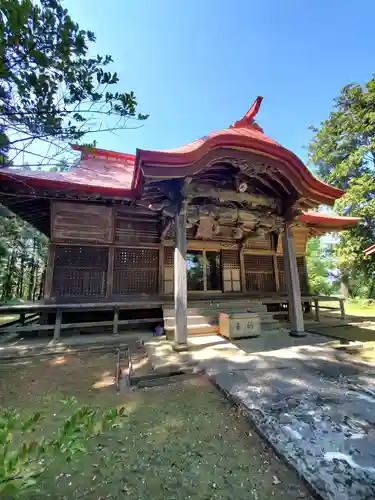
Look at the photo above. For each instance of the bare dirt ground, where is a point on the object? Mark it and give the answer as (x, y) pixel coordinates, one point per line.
(182, 440)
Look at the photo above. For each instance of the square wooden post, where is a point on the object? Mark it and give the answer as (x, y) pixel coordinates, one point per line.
(293, 285)
(180, 280)
(57, 329)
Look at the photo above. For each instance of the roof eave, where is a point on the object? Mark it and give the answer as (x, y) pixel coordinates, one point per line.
(155, 164)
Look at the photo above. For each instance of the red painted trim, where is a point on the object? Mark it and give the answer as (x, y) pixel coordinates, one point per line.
(319, 218)
(104, 152)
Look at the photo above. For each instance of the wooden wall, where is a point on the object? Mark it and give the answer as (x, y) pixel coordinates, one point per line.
(97, 252)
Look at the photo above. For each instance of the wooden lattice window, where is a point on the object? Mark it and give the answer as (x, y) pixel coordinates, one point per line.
(259, 273)
(230, 260)
(302, 273)
(135, 270)
(130, 231)
(80, 271)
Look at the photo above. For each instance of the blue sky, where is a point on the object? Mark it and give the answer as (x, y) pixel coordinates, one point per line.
(196, 66)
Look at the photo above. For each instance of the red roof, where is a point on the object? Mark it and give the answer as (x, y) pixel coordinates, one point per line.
(105, 172)
(370, 250)
(328, 220)
(246, 135)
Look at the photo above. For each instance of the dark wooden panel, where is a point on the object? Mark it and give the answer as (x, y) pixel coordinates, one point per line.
(302, 273)
(135, 271)
(259, 273)
(260, 242)
(135, 230)
(84, 222)
(80, 271)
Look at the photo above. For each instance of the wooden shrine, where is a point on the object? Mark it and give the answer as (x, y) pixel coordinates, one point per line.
(228, 215)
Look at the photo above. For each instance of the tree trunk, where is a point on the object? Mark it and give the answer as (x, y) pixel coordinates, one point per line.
(344, 287)
(8, 282)
(41, 284)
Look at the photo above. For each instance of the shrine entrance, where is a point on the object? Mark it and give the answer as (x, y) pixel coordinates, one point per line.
(203, 269)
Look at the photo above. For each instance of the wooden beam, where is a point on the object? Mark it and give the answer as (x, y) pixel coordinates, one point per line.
(192, 190)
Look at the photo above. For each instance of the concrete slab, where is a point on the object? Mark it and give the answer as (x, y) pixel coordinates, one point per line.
(317, 408)
(314, 404)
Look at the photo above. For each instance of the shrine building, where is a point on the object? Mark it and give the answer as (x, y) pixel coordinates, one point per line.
(222, 221)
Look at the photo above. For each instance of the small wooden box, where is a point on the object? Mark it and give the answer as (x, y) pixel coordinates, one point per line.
(235, 325)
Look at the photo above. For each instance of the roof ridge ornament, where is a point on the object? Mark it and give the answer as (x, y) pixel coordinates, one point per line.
(248, 120)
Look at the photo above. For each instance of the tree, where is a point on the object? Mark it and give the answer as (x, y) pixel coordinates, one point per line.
(23, 255)
(321, 267)
(343, 153)
(51, 92)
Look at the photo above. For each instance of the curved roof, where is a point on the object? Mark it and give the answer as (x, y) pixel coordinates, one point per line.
(328, 220)
(245, 135)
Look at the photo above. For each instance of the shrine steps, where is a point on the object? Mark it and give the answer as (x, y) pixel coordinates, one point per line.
(204, 320)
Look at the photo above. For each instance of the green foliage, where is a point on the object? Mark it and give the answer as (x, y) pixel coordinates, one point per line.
(26, 453)
(321, 267)
(343, 152)
(23, 255)
(51, 90)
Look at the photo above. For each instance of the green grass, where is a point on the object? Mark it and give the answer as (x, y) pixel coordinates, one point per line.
(356, 308)
(179, 441)
(348, 332)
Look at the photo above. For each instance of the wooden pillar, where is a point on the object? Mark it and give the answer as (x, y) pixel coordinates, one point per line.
(115, 320)
(316, 306)
(342, 308)
(110, 267)
(180, 279)
(57, 329)
(293, 285)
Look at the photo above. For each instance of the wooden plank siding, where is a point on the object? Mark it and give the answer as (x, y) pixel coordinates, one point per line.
(98, 251)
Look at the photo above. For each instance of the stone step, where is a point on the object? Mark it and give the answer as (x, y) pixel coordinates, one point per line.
(265, 318)
(196, 329)
(170, 321)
